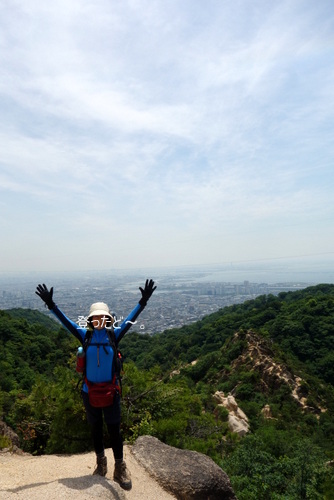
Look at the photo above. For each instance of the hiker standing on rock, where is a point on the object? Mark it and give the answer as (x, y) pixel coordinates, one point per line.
(101, 391)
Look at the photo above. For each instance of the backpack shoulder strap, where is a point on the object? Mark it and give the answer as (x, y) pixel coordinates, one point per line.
(117, 361)
(112, 338)
(87, 339)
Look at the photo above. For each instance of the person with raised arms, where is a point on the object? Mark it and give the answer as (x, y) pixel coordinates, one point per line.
(101, 389)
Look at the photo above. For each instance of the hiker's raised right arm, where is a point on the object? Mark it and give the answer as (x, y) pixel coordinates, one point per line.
(47, 297)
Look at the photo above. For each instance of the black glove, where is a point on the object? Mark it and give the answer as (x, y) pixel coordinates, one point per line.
(147, 292)
(45, 295)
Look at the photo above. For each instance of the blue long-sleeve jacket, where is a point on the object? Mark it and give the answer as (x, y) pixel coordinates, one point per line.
(99, 353)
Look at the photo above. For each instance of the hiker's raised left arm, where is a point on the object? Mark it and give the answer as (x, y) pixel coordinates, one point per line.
(146, 293)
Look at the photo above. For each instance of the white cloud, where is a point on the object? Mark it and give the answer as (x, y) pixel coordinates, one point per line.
(167, 118)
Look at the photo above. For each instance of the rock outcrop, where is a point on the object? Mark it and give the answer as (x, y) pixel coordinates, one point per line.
(237, 419)
(188, 475)
(158, 472)
(258, 356)
(266, 412)
(11, 435)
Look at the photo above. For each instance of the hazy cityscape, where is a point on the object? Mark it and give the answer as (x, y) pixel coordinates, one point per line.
(183, 296)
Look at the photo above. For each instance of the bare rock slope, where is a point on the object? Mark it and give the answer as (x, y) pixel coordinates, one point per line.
(56, 477)
(159, 472)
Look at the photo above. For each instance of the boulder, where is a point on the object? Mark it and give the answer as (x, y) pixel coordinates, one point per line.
(188, 475)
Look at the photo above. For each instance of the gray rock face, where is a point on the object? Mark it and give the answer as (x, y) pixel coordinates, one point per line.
(10, 434)
(188, 475)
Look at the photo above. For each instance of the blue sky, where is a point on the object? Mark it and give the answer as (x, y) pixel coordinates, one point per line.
(142, 133)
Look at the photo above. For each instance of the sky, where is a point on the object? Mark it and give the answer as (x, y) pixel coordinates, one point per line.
(142, 133)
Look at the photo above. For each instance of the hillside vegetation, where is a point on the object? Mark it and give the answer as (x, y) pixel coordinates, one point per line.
(274, 355)
(301, 323)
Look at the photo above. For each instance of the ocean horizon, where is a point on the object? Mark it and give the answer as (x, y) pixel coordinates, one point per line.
(302, 271)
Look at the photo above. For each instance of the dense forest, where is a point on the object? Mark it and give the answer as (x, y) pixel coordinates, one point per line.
(272, 352)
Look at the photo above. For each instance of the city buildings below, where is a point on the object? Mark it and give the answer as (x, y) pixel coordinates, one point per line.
(178, 300)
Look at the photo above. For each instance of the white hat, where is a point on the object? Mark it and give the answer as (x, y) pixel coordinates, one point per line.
(99, 309)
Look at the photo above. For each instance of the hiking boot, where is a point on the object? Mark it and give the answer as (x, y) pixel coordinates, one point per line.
(101, 466)
(122, 476)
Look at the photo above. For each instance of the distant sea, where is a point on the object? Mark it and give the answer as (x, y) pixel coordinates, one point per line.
(302, 270)
(273, 272)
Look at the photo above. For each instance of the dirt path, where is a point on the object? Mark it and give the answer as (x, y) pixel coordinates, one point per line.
(65, 477)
